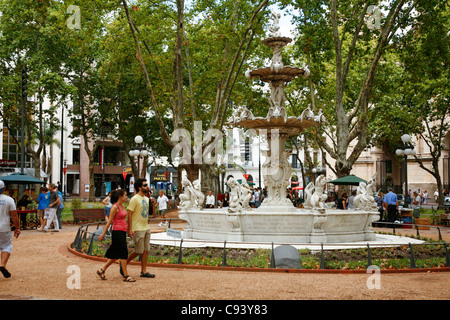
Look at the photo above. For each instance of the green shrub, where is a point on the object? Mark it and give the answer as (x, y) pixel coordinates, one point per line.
(76, 203)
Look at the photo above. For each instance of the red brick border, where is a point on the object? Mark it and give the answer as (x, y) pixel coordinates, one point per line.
(245, 269)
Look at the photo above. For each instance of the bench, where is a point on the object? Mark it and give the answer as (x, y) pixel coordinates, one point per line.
(88, 214)
(444, 219)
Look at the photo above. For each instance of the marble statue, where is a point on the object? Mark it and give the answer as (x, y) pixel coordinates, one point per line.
(188, 197)
(192, 197)
(314, 194)
(235, 204)
(200, 197)
(364, 199)
(246, 195)
(319, 197)
(275, 28)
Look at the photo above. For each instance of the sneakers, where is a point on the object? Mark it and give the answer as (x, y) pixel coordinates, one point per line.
(166, 224)
(160, 224)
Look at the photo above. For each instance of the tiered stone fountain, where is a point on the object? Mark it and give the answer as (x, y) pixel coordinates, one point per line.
(277, 220)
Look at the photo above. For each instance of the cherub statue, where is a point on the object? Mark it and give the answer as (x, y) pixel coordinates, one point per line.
(188, 197)
(364, 199)
(199, 194)
(235, 205)
(246, 195)
(319, 197)
(308, 195)
(274, 30)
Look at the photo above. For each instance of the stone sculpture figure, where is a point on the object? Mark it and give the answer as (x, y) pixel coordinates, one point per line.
(308, 194)
(246, 195)
(275, 28)
(364, 199)
(200, 197)
(314, 194)
(188, 197)
(235, 204)
(318, 198)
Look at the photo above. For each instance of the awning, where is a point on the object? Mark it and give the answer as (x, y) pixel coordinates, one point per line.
(350, 180)
(21, 179)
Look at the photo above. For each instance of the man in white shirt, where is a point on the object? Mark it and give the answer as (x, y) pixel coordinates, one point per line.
(210, 200)
(162, 203)
(7, 211)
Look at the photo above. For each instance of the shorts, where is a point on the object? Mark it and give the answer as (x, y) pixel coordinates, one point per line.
(162, 212)
(107, 211)
(6, 241)
(40, 213)
(141, 241)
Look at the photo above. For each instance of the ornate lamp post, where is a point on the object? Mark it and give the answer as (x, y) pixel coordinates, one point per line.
(138, 151)
(405, 150)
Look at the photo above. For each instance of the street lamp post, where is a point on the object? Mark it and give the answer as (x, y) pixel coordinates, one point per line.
(405, 150)
(138, 151)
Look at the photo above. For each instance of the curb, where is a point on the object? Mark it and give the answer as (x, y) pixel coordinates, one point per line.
(278, 270)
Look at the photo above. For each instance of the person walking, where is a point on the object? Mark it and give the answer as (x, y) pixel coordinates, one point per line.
(22, 204)
(7, 212)
(43, 201)
(60, 207)
(138, 227)
(391, 205)
(162, 202)
(52, 207)
(118, 249)
(108, 205)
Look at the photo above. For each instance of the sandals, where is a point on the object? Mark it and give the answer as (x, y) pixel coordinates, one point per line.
(128, 279)
(101, 274)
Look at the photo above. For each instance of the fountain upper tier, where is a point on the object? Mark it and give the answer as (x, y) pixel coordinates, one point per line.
(277, 71)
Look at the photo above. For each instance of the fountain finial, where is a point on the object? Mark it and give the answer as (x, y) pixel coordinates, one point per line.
(274, 29)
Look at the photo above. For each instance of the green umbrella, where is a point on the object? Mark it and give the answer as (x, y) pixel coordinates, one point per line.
(21, 179)
(350, 180)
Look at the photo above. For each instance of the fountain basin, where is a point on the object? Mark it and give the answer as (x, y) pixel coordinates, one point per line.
(299, 226)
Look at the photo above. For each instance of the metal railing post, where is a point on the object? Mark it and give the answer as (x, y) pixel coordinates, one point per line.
(224, 259)
(180, 253)
(412, 260)
(369, 256)
(322, 260)
(272, 258)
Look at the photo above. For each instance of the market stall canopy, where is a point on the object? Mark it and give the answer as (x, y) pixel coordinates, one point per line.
(350, 180)
(21, 179)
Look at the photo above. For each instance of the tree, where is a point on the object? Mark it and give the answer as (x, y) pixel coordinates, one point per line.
(354, 59)
(30, 39)
(226, 36)
(424, 52)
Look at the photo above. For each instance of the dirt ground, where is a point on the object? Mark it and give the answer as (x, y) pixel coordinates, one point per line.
(43, 268)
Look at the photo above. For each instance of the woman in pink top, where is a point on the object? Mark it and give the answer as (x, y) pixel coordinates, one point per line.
(118, 248)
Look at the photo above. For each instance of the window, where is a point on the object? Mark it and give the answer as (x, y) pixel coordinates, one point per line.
(76, 154)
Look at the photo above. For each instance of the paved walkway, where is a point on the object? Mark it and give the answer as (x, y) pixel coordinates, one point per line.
(43, 268)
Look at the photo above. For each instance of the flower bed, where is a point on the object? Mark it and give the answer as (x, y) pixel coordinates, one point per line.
(425, 256)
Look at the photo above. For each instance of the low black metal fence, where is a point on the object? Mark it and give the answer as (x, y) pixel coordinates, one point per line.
(87, 232)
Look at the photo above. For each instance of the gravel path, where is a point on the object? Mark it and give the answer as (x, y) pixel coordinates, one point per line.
(40, 261)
